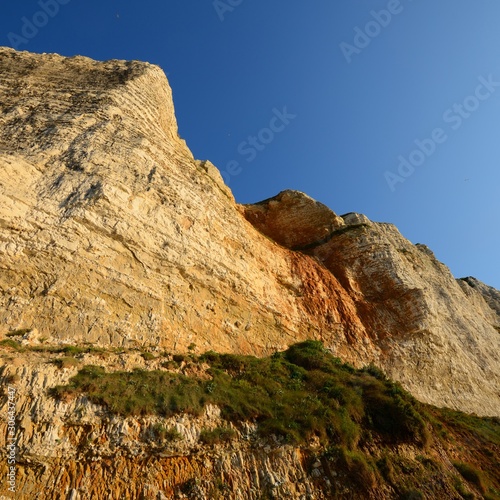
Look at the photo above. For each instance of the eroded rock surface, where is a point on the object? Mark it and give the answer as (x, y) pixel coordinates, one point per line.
(75, 449)
(491, 295)
(293, 219)
(112, 234)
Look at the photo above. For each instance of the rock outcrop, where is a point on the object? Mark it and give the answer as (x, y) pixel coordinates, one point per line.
(489, 294)
(422, 320)
(112, 234)
(294, 220)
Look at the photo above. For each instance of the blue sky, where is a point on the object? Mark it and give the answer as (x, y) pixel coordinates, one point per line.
(357, 85)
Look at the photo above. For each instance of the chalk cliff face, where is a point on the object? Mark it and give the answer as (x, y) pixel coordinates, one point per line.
(112, 234)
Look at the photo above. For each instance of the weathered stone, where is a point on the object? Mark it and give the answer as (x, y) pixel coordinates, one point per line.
(293, 219)
(111, 233)
(490, 294)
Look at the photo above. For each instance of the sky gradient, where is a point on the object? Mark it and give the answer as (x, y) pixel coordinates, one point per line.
(389, 108)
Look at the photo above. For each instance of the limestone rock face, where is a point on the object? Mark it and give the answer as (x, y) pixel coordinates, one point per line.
(418, 315)
(490, 294)
(293, 219)
(111, 233)
(425, 323)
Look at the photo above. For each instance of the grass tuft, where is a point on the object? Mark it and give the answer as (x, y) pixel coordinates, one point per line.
(217, 435)
(471, 475)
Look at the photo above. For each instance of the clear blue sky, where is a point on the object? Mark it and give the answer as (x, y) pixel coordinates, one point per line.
(417, 74)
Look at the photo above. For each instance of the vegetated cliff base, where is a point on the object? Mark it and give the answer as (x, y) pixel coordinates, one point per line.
(299, 425)
(112, 234)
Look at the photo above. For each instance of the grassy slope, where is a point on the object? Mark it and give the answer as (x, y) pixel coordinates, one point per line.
(371, 430)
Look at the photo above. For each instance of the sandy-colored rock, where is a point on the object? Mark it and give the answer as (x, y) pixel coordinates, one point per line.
(111, 233)
(490, 294)
(293, 219)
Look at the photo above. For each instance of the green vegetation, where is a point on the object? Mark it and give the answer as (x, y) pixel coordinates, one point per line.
(359, 468)
(66, 362)
(12, 344)
(296, 394)
(70, 350)
(179, 358)
(459, 486)
(73, 350)
(18, 333)
(162, 433)
(217, 435)
(139, 392)
(471, 475)
(360, 417)
(483, 428)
